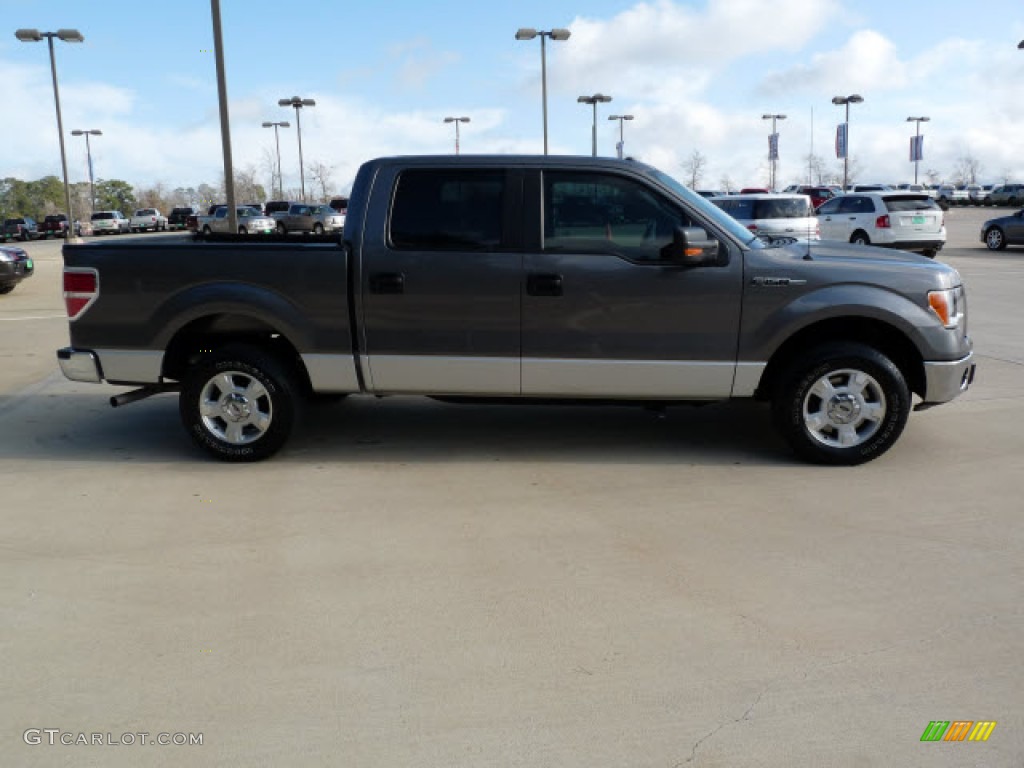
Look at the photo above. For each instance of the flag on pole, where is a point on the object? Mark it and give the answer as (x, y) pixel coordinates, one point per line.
(916, 148)
(773, 146)
(841, 141)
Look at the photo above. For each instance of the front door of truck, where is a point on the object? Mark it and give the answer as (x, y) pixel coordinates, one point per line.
(604, 313)
(439, 282)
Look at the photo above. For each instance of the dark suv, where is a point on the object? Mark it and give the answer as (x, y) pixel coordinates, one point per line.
(21, 228)
(15, 266)
(178, 217)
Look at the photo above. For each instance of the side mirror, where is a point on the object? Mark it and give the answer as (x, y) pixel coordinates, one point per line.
(691, 246)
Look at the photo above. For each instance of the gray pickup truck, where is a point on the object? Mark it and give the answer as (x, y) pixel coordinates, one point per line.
(530, 279)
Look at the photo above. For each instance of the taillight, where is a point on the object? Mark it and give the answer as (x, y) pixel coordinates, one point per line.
(882, 222)
(81, 288)
(752, 227)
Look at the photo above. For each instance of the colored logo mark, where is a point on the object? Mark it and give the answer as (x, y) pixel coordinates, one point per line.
(958, 730)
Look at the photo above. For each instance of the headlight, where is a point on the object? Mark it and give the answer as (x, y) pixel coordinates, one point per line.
(5, 256)
(948, 305)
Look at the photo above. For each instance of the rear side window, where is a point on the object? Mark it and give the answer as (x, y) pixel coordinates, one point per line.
(738, 209)
(783, 208)
(450, 209)
(856, 204)
(910, 203)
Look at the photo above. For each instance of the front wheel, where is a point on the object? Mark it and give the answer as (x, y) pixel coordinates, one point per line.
(318, 229)
(238, 404)
(281, 229)
(6, 289)
(207, 230)
(243, 231)
(842, 404)
(995, 240)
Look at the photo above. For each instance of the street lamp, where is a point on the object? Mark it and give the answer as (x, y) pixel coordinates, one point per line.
(597, 98)
(456, 120)
(773, 149)
(68, 36)
(622, 141)
(526, 33)
(277, 141)
(88, 154)
(853, 98)
(298, 103)
(916, 152)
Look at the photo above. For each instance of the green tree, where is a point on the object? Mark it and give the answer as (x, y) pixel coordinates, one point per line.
(115, 195)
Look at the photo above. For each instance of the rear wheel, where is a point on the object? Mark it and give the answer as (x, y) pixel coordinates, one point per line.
(281, 229)
(6, 289)
(239, 404)
(207, 230)
(995, 240)
(243, 231)
(842, 404)
(1013, 202)
(860, 237)
(318, 229)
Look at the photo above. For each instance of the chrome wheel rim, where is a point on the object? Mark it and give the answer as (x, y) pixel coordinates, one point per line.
(235, 407)
(844, 408)
(994, 238)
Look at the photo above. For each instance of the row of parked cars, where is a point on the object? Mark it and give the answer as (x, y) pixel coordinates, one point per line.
(275, 217)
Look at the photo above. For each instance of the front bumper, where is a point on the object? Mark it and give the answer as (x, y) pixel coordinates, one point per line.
(80, 365)
(947, 380)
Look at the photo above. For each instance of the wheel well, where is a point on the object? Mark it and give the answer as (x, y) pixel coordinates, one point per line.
(205, 334)
(860, 232)
(882, 336)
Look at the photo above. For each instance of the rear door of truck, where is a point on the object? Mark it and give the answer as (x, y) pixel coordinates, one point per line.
(439, 279)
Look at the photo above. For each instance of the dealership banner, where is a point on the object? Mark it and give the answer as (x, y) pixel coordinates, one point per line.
(841, 141)
(916, 148)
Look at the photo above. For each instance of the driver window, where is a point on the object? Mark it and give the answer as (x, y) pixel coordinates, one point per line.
(602, 213)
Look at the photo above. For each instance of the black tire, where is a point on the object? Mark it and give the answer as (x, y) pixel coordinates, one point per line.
(860, 237)
(6, 289)
(281, 229)
(243, 231)
(1012, 202)
(25, 236)
(207, 230)
(318, 229)
(929, 252)
(995, 239)
(251, 421)
(863, 383)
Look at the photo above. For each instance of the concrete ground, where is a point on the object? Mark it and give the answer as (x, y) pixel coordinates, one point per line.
(413, 583)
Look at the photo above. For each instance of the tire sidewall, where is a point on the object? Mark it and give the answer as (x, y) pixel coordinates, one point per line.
(259, 366)
(789, 403)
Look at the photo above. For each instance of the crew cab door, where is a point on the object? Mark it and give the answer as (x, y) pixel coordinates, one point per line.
(439, 281)
(604, 313)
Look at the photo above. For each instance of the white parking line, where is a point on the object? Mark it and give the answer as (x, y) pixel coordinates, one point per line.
(36, 317)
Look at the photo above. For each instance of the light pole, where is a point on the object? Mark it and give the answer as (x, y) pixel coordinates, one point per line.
(773, 149)
(846, 101)
(456, 120)
(622, 141)
(917, 141)
(88, 155)
(597, 98)
(527, 33)
(298, 103)
(68, 36)
(277, 141)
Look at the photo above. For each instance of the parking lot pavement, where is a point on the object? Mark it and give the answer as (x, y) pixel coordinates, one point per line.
(418, 583)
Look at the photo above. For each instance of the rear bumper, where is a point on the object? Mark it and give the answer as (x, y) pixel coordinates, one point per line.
(80, 365)
(947, 380)
(914, 245)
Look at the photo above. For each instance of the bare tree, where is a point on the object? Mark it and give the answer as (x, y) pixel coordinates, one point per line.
(933, 176)
(694, 166)
(817, 171)
(321, 175)
(247, 188)
(726, 183)
(268, 164)
(155, 196)
(967, 169)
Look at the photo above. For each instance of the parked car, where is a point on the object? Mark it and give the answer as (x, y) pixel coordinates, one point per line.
(178, 217)
(300, 217)
(818, 194)
(753, 191)
(110, 222)
(21, 228)
(530, 278)
(1007, 194)
(711, 192)
(775, 218)
(15, 266)
(326, 219)
(870, 188)
(911, 221)
(975, 193)
(250, 222)
(1004, 231)
(949, 194)
(277, 206)
(148, 219)
(55, 224)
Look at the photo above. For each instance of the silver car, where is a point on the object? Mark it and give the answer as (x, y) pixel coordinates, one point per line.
(775, 218)
(250, 222)
(105, 222)
(309, 217)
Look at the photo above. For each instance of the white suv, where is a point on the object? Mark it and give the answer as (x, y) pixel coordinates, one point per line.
(911, 221)
(775, 218)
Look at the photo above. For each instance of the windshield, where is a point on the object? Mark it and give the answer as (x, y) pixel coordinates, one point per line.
(102, 215)
(710, 211)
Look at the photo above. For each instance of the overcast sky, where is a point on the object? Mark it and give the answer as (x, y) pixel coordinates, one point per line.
(696, 74)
